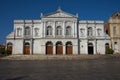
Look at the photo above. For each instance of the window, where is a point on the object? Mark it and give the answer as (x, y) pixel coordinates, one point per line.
(27, 30)
(82, 31)
(19, 30)
(36, 31)
(114, 30)
(68, 30)
(49, 30)
(90, 31)
(99, 31)
(59, 30)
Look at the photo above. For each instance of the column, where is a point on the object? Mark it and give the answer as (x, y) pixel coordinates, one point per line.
(64, 49)
(113, 44)
(95, 46)
(54, 49)
(54, 29)
(44, 29)
(31, 46)
(75, 30)
(119, 45)
(64, 28)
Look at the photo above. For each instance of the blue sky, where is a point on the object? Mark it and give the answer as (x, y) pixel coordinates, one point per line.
(30, 9)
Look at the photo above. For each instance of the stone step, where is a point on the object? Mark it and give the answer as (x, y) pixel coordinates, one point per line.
(55, 57)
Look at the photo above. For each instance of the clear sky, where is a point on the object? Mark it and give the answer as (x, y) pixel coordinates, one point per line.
(30, 9)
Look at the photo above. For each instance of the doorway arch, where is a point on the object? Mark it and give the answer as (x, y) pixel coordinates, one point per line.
(69, 48)
(59, 48)
(49, 48)
(9, 47)
(106, 46)
(90, 48)
(27, 48)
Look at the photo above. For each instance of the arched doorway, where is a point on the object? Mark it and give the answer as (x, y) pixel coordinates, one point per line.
(27, 48)
(49, 48)
(69, 48)
(90, 48)
(9, 47)
(59, 48)
(106, 46)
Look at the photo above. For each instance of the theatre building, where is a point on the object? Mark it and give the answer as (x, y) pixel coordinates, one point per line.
(58, 33)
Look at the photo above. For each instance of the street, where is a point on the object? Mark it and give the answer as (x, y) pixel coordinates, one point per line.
(94, 69)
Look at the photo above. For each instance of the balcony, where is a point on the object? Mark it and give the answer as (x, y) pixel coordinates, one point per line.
(28, 36)
(91, 37)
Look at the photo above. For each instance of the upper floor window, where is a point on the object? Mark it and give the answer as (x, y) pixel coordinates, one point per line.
(82, 32)
(59, 30)
(19, 31)
(114, 30)
(49, 30)
(99, 32)
(90, 31)
(68, 30)
(36, 31)
(27, 30)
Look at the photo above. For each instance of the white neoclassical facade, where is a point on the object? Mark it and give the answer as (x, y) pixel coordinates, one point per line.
(57, 33)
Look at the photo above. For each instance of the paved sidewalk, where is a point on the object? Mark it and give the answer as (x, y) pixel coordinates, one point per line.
(57, 57)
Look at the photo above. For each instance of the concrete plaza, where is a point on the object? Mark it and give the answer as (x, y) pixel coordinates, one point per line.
(98, 67)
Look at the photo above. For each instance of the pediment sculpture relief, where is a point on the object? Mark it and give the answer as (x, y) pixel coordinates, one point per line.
(49, 23)
(59, 23)
(68, 23)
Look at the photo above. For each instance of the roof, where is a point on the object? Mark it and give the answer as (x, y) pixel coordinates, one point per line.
(116, 15)
(59, 13)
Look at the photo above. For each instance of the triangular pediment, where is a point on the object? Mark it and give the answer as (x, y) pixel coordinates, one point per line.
(59, 14)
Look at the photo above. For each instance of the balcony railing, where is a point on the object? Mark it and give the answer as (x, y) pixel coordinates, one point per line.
(27, 36)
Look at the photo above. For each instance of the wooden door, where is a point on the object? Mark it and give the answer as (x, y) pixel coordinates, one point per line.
(69, 49)
(49, 50)
(9, 48)
(59, 49)
(27, 50)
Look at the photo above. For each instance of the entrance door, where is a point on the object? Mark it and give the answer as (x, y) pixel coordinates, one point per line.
(59, 48)
(9, 47)
(90, 48)
(49, 48)
(27, 49)
(69, 48)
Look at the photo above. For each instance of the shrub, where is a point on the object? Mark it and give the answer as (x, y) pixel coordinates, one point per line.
(109, 51)
(2, 50)
(5, 52)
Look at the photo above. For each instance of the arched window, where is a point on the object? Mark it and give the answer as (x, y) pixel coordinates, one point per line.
(68, 30)
(99, 32)
(27, 30)
(36, 31)
(59, 30)
(49, 30)
(19, 31)
(90, 31)
(82, 32)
